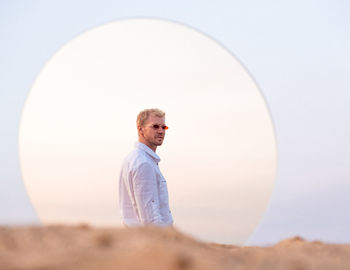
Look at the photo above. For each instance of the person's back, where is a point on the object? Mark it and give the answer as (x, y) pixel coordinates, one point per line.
(143, 194)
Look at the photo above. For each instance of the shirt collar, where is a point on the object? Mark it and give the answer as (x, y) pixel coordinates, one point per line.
(148, 150)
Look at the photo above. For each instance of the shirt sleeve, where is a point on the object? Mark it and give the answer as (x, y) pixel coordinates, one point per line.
(146, 194)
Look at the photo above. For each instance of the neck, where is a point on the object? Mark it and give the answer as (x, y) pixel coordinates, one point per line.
(153, 147)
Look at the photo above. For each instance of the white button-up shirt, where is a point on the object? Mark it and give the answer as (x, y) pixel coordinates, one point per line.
(143, 192)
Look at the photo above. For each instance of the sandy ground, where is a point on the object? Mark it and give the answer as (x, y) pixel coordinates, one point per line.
(85, 247)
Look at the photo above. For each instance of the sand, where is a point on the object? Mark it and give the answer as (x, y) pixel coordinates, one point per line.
(84, 247)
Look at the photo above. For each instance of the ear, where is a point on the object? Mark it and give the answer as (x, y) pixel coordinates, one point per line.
(139, 129)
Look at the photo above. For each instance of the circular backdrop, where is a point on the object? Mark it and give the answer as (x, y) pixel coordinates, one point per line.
(79, 122)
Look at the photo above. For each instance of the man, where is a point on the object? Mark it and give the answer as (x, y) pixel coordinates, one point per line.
(143, 193)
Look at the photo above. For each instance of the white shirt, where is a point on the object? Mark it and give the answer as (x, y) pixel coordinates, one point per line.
(143, 192)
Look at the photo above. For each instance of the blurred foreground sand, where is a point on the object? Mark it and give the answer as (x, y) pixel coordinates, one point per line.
(85, 247)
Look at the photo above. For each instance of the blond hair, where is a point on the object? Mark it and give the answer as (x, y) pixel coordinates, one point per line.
(143, 116)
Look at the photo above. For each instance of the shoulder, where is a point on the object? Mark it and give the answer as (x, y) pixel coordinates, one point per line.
(140, 166)
(137, 159)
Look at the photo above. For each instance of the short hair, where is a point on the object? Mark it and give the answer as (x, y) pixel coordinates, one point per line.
(143, 116)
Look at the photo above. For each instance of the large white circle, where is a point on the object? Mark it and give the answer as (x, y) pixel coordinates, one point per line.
(78, 123)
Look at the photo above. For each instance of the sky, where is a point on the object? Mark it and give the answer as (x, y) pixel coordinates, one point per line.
(297, 53)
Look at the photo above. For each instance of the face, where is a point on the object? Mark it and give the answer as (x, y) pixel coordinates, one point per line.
(149, 135)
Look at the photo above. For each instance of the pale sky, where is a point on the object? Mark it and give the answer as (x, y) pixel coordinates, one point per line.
(297, 52)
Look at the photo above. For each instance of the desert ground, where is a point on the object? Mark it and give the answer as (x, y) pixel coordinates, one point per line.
(82, 247)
